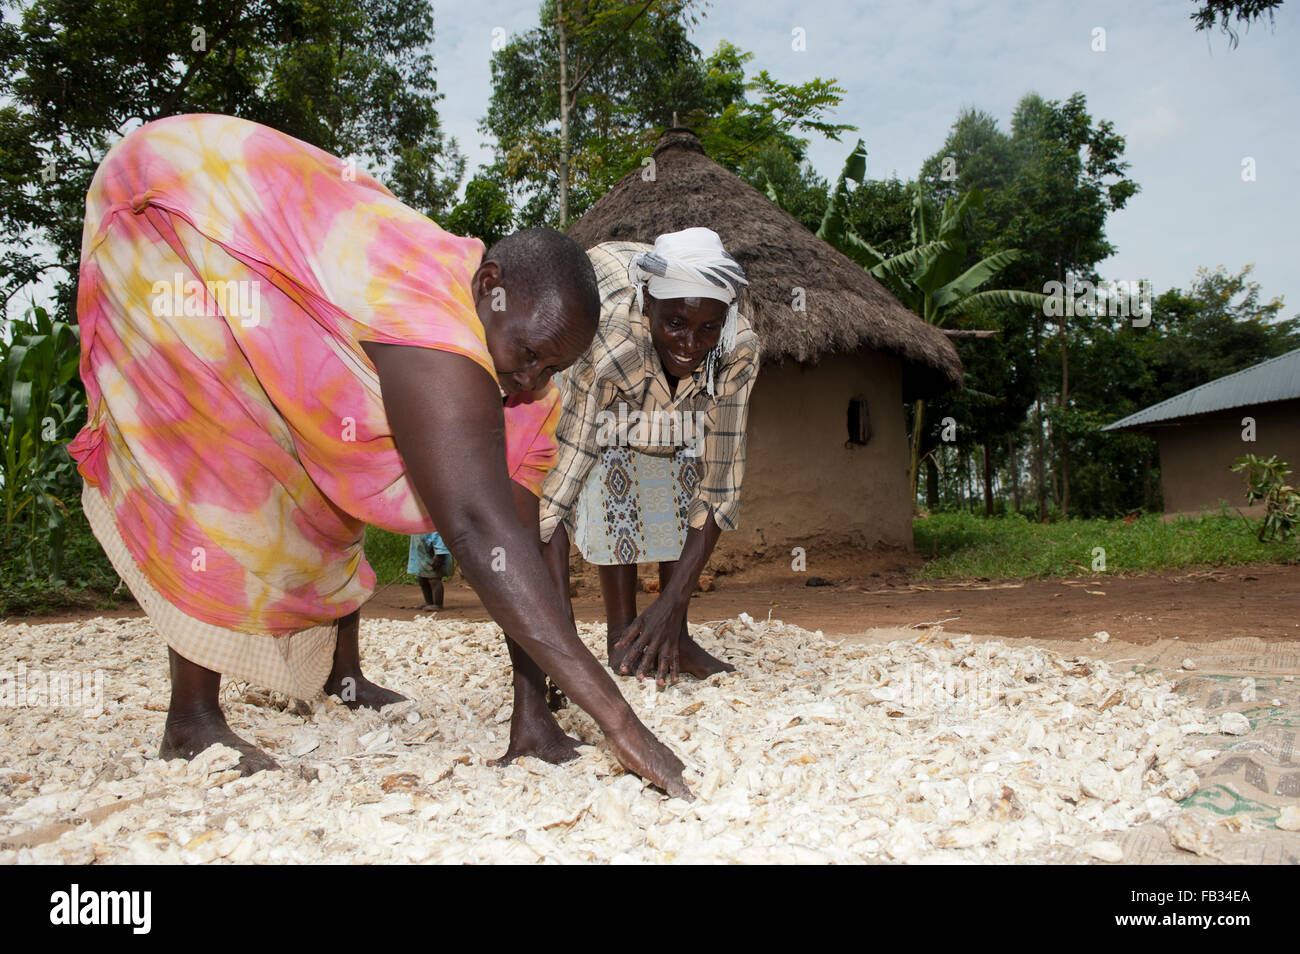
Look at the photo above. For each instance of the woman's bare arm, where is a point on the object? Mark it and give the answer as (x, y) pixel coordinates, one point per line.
(446, 417)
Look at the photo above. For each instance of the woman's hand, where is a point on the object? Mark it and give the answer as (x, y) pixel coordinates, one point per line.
(649, 645)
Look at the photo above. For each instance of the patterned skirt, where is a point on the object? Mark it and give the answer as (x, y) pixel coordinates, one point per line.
(633, 507)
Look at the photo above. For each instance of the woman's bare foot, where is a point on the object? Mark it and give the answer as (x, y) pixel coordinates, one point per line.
(696, 660)
(693, 660)
(184, 738)
(356, 691)
(542, 740)
(533, 730)
(345, 680)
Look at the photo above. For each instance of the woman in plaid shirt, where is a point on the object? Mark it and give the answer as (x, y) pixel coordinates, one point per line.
(651, 441)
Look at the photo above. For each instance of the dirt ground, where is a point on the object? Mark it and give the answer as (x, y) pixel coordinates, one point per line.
(874, 590)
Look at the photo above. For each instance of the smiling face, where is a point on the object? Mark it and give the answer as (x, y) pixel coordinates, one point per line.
(684, 331)
(528, 345)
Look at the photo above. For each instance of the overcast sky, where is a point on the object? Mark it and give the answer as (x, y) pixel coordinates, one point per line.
(1190, 107)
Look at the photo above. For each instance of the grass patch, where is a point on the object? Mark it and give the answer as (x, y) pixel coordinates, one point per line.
(387, 553)
(967, 546)
(1013, 547)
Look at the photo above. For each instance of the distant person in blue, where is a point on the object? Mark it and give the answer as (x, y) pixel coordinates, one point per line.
(431, 563)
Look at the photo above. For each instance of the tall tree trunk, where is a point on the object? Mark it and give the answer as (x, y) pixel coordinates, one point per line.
(988, 482)
(1040, 483)
(968, 493)
(1014, 459)
(1065, 399)
(1146, 476)
(562, 38)
(918, 430)
(1065, 477)
(931, 484)
(1040, 474)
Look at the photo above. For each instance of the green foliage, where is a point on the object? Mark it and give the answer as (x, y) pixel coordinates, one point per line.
(1068, 176)
(1049, 184)
(794, 186)
(631, 67)
(387, 553)
(1266, 482)
(880, 211)
(1232, 13)
(780, 113)
(1218, 327)
(42, 405)
(353, 77)
(975, 155)
(934, 278)
(1014, 547)
(86, 579)
(485, 212)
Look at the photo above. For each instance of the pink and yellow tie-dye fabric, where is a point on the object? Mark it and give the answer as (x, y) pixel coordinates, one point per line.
(229, 274)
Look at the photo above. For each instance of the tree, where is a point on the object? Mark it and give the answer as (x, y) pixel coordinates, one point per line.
(794, 186)
(484, 213)
(1116, 474)
(977, 155)
(1217, 327)
(566, 28)
(1229, 12)
(1051, 184)
(880, 210)
(733, 128)
(353, 77)
(633, 70)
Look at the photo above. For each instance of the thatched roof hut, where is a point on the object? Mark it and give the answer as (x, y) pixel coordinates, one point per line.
(845, 308)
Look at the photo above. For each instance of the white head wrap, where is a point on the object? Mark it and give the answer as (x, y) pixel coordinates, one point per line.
(692, 264)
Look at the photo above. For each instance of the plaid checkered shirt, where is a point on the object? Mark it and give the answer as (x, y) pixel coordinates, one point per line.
(622, 367)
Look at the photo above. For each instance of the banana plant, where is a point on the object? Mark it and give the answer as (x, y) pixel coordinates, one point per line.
(929, 278)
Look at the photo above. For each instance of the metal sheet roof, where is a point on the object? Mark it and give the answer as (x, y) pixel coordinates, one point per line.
(1277, 379)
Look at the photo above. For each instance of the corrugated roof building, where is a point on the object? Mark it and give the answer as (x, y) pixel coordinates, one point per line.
(1202, 431)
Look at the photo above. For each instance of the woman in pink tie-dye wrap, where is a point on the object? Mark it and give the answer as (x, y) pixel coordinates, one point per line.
(277, 352)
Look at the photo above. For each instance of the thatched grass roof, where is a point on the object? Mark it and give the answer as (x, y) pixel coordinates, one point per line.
(846, 308)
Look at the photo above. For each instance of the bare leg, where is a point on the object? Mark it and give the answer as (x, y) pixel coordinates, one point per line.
(432, 589)
(345, 679)
(692, 657)
(618, 589)
(533, 730)
(195, 720)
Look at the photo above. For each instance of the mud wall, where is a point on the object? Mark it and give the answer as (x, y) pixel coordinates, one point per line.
(1196, 453)
(804, 482)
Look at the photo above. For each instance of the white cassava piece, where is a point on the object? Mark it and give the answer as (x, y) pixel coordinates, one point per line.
(1234, 723)
(924, 749)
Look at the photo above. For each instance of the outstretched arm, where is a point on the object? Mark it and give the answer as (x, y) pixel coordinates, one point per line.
(454, 452)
